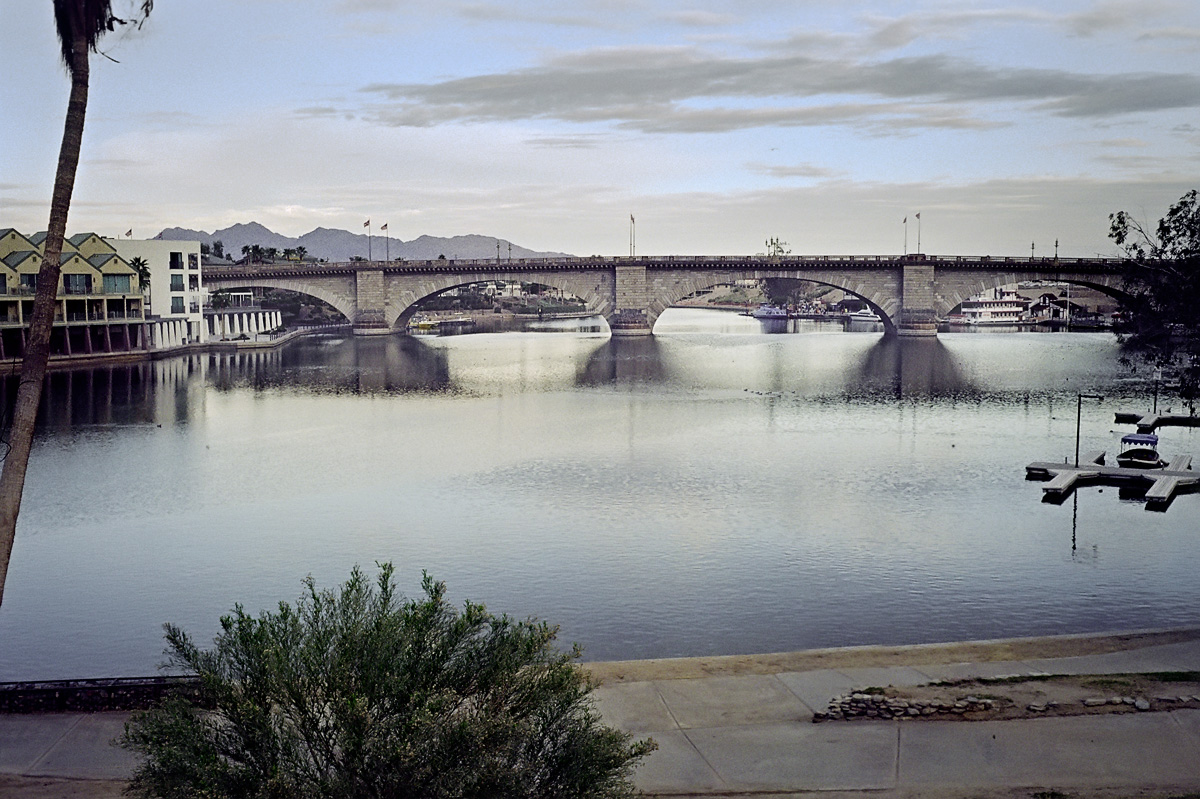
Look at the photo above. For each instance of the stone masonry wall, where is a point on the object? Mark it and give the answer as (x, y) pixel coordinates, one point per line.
(372, 299)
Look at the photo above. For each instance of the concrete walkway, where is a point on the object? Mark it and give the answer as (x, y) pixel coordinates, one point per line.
(754, 734)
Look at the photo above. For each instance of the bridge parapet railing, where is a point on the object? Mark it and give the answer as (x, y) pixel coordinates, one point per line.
(663, 261)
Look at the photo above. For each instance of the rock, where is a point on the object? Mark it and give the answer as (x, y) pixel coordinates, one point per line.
(1142, 704)
(1094, 702)
(1114, 700)
(1128, 700)
(1037, 707)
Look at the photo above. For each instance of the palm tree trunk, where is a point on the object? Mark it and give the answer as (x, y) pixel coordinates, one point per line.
(33, 369)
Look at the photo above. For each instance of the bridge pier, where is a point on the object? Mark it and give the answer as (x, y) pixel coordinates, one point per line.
(631, 301)
(371, 297)
(918, 316)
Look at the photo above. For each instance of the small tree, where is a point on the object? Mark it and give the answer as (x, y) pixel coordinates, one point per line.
(360, 693)
(777, 248)
(143, 271)
(1161, 309)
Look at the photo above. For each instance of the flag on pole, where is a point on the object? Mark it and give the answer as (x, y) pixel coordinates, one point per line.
(905, 222)
(383, 226)
(918, 214)
(129, 233)
(367, 223)
(631, 219)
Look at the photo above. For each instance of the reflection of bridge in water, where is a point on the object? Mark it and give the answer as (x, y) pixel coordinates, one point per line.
(173, 391)
(908, 292)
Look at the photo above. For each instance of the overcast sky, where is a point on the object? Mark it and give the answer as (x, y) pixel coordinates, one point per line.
(716, 124)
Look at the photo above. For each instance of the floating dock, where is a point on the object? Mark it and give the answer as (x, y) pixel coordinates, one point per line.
(1164, 484)
(1148, 422)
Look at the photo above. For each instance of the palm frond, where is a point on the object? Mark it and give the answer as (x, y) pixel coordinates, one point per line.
(90, 19)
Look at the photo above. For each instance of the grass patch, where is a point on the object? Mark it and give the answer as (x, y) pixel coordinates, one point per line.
(1174, 676)
(1111, 682)
(1016, 678)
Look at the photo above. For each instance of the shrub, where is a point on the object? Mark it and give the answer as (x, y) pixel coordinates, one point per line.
(360, 693)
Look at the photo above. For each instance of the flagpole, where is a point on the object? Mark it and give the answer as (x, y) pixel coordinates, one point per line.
(387, 243)
(906, 235)
(918, 231)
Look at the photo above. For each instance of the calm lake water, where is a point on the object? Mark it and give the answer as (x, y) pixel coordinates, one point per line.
(714, 489)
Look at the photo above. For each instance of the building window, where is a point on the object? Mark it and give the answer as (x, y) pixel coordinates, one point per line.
(193, 261)
(116, 284)
(77, 284)
(177, 305)
(176, 282)
(177, 260)
(29, 282)
(193, 283)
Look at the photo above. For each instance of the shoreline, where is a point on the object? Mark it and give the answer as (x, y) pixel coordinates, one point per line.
(615, 672)
(873, 655)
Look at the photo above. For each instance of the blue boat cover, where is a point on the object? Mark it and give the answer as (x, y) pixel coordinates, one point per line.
(1140, 439)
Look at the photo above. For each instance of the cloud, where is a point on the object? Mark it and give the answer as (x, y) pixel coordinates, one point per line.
(1190, 35)
(318, 111)
(695, 18)
(494, 12)
(793, 170)
(687, 89)
(583, 141)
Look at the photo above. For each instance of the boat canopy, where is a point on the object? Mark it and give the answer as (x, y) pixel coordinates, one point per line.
(1140, 440)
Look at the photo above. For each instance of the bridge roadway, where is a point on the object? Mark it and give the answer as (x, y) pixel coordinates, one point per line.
(909, 293)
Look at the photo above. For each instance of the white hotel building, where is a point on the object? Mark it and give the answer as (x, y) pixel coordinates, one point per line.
(176, 313)
(175, 305)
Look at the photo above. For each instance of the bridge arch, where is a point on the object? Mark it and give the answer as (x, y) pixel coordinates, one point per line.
(405, 294)
(880, 290)
(340, 297)
(959, 285)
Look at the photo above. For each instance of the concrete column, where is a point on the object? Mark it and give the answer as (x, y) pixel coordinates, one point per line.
(918, 316)
(631, 301)
(370, 293)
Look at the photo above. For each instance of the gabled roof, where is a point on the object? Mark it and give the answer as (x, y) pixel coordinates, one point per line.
(74, 260)
(111, 263)
(90, 244)
(39, 240)
(13, 240)
(14, 260)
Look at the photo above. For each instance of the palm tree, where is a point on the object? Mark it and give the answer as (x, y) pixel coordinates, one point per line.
(143, 271)
(80, 24)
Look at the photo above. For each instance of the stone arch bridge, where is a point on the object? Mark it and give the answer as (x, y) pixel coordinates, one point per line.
(909, 293)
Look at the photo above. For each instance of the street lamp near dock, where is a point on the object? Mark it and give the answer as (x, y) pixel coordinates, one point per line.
(1078, 416)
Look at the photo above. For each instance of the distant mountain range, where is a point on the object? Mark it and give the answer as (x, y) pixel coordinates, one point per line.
(341, 245)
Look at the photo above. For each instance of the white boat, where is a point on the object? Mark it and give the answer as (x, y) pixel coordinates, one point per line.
(1003, 307)
(1140, 451)
(768, 311)
(864, 315)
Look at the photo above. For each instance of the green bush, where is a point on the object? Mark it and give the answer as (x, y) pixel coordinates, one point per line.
(362, 693)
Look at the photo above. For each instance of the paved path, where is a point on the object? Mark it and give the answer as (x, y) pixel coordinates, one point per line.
(754, 734)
